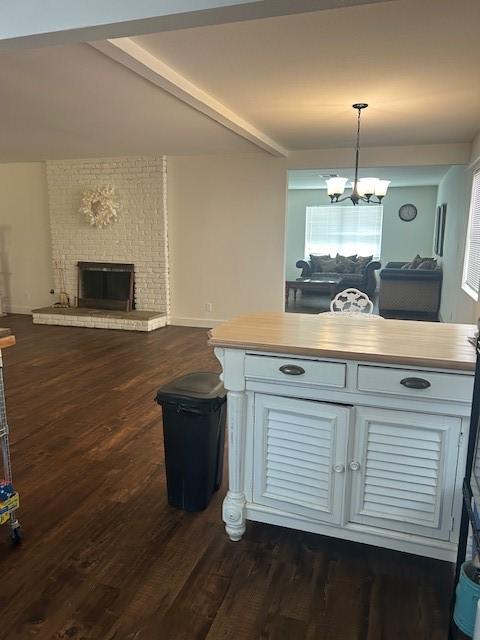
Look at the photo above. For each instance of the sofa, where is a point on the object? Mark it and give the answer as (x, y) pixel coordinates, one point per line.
(355, 271)
(407, 291)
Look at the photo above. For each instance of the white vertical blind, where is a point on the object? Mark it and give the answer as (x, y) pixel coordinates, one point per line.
(471, 264)
(346, 230)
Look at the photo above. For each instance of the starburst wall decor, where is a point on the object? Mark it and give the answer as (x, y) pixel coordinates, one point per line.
(99, 207)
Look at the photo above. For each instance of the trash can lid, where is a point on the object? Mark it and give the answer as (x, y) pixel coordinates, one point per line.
(199, 388)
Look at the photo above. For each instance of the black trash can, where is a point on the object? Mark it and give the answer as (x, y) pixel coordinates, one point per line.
(194, 410)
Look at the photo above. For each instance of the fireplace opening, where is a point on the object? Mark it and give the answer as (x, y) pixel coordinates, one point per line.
(106, 285)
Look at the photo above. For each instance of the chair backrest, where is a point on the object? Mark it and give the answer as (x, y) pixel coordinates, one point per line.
(351, 301)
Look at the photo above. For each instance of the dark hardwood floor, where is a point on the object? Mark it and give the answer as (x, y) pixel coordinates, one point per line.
(106, 558)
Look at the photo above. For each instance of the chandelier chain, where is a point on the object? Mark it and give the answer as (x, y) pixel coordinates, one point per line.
(357, 151)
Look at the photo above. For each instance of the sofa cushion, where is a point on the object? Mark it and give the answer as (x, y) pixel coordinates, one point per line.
(362, 262)
(413, 264)
(318, 261)
(324, 264)
(345, 264)
(428, 263)
(352, 279)
(398, 273)
(352, 258)
(417, 261)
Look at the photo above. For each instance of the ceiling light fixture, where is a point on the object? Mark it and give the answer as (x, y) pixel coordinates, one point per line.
(371, 190)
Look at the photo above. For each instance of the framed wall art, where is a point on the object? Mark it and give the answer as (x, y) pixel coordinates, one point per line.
(440, 222)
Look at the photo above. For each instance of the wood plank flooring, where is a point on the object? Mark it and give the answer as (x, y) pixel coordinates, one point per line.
(105, 557)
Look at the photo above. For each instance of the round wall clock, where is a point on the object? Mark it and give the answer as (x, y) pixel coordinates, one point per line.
(407, 212)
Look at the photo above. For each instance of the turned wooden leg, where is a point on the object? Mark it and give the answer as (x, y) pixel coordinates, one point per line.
(234, 503)
(287, 291)
(233, 362)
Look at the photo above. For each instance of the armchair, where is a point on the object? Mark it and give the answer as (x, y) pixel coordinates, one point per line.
(410, 291)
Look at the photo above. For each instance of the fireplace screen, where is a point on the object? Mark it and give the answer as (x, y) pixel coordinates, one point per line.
(105, 285)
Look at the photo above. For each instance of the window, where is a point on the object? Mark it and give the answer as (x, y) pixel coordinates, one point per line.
(346, 230)
(471, 263)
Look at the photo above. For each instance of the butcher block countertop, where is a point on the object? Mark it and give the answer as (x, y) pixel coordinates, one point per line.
(6, 339)
(405, 342)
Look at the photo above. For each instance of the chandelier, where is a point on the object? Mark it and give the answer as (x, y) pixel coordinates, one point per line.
(371, 190)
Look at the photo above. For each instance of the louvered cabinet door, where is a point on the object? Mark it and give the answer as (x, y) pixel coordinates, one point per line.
(300, 456)
(403, 471)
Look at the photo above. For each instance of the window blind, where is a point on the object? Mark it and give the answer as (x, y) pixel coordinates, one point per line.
(471, 264)
(346, 230)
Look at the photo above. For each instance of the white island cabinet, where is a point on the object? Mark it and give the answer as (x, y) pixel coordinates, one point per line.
(348, 428)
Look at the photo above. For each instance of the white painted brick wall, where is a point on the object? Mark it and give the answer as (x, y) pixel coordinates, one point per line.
(138, 236)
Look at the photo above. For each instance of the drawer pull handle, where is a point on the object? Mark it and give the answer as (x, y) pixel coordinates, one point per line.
(339, 468)
(354, 465)
(415, 383)
(292, 369)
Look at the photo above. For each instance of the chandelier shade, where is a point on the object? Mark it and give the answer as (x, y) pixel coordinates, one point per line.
(371, 190)
(336, 185)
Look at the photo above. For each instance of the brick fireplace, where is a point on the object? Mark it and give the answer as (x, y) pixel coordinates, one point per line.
(138, 237)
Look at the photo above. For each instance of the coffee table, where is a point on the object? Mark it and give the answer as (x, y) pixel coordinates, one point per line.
(327, 284)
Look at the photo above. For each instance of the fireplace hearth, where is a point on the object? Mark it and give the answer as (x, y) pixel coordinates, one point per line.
(106, 285)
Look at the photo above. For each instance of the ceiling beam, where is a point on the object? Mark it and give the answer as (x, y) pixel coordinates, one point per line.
(30, 23)
(137, 59)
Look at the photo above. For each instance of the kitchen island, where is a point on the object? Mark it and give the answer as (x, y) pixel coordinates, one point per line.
(347, 427)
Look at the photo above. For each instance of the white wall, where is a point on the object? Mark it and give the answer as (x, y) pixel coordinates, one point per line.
(400, 240)
(475, 158)
(455, 190)
(25, 254)
(226, 236)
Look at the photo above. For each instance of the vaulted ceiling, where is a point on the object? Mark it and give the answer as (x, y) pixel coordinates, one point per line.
(292, 78)
(71, 101)
(417, 63)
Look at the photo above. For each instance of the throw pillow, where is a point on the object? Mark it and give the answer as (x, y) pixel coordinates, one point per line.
(362, 262)
(416, 261)
(344, 264)
(316, 261)
(429, 264)
(329, 265)
(413, 264)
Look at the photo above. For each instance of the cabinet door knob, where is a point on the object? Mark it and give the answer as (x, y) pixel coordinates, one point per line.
(354, 465)
(292, 369)
(339, 468)
(415, 383)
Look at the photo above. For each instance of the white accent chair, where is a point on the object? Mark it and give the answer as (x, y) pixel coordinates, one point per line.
(351, 301)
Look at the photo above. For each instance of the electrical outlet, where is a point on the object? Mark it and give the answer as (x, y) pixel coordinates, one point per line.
(208, 307)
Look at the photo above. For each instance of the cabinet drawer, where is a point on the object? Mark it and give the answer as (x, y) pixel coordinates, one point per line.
(416, 384)
(296, 371)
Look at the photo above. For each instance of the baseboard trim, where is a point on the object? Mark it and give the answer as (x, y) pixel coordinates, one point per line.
(26, 311)
(203, 323)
